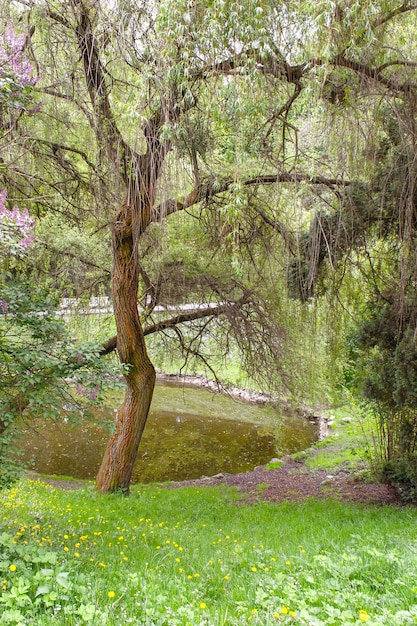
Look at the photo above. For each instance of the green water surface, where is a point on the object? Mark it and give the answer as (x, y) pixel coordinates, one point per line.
(190, 433)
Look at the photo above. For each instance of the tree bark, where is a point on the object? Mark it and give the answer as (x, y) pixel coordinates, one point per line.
(117, 466)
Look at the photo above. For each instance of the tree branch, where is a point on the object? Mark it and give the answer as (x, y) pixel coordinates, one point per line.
(274, 65)
(374, 73)
(107, 130)
(403, 8)
(398, 62)
(212, 188)
(280, 228)
(210, 311)
(59, 146)
(64, 96)
(77, 256)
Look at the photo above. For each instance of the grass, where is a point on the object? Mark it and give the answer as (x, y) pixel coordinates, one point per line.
(201, 557)
(347, 444)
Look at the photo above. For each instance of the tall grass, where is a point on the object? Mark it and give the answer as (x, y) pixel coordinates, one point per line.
(202, 557)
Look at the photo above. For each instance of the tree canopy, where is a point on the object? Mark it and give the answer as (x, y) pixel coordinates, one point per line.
(221, 150)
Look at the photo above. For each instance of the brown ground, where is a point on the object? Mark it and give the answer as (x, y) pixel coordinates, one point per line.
(293, 481)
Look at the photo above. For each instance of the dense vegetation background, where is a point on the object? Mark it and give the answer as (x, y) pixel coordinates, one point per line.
(253, 160)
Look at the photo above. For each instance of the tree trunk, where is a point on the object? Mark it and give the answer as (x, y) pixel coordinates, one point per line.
(116, 468)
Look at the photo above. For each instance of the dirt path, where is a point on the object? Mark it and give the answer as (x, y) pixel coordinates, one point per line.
(293, 481)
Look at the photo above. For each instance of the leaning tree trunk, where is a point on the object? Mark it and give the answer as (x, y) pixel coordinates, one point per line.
(116, 468)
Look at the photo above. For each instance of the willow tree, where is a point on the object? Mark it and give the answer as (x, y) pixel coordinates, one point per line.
(155, 109)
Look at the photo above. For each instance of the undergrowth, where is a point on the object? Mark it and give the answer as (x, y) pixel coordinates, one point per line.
(201, 557)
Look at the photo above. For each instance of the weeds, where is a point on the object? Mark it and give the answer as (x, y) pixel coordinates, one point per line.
(191, 557)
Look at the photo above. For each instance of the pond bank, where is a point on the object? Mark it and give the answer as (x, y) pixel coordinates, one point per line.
(249, 396)
(325, 470)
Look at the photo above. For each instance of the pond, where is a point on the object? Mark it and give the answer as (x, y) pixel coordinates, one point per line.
(190, 433)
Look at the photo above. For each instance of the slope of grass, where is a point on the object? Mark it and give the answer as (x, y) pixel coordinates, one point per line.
(348, 445)
(201, 557)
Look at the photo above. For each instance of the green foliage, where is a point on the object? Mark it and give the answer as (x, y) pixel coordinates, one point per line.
(68, 259)
(386, 377)
(38, 586)
(191, 557)
(232, 94)
(41, 367)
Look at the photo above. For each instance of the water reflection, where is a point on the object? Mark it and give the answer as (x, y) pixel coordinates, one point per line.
(190, 433)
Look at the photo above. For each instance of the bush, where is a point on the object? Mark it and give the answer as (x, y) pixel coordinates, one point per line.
(386, 378)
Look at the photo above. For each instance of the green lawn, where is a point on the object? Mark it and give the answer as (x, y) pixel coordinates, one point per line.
(202, 557)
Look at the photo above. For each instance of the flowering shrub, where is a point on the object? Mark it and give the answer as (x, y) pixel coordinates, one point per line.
(38, 358)
(16, 73)
(16, 228)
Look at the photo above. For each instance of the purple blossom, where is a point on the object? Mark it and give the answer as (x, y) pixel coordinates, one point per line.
(27, 241)
(15, 42)
(4, 306)
(91, 394)
(15, 225)
(35, 109)
(13, 63)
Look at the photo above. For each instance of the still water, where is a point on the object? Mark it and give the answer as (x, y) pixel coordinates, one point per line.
(190, 433)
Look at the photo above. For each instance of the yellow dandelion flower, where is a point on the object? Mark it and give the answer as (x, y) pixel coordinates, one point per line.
(111, 594)
(292, 613)
(287, 562)
(12, 568)
(227, 577)
(277, 615)
(284, 610)
(254, 569)
(203, 605)
(363, 616)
